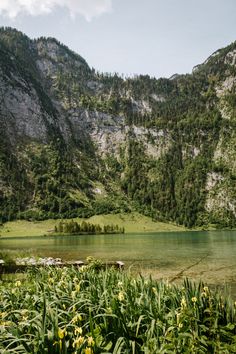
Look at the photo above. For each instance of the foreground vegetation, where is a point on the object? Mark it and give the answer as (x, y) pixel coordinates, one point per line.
(90, 311)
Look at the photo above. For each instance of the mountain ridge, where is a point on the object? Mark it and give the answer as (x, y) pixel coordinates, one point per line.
(87, 143)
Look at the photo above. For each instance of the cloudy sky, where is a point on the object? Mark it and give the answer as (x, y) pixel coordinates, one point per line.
(155, 37)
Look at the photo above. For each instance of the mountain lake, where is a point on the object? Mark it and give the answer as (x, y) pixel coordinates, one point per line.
(209, 256)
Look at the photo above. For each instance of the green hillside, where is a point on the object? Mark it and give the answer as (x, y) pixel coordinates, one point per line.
(78, 143)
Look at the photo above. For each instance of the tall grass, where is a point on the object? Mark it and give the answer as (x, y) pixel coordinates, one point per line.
(90, 311)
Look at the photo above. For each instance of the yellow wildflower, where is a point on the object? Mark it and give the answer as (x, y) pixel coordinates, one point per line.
(109, 310)
(76, 318)
(82, 269)
(88, 350)
(78, 342)
(183, 302)
(90, 341)
(90, 259)
(73, 294)
(5, 324)
(24, 315)
(61, 333)
(78, 330)
(194, 299)
(206, 289)
(77, 287)
(121, 296)
(154, 290)
(18, 283)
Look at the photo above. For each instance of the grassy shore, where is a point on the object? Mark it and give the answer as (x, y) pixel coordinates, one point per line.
(133, 222)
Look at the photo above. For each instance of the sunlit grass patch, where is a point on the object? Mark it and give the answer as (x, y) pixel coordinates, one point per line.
(132, 222)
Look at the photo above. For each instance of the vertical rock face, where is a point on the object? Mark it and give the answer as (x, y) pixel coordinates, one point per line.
(166, 147)
(221, 199)
(19, 97)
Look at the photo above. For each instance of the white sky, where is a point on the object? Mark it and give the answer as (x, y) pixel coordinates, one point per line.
(155, 37)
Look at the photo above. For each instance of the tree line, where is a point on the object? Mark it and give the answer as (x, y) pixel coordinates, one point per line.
(73, 227)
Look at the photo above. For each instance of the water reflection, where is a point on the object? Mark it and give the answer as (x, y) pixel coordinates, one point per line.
(206, 255)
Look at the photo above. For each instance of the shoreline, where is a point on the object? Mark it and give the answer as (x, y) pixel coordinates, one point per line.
(17, 237)
(132, 223)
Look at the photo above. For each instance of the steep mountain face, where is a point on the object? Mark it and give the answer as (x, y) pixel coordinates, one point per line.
(77, 142)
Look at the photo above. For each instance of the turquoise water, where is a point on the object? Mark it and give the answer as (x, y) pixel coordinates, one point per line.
(210, 256)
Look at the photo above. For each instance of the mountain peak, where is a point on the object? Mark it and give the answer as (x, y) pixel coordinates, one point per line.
(56, 50)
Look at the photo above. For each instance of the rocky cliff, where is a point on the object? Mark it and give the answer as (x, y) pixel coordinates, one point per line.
(77, 142)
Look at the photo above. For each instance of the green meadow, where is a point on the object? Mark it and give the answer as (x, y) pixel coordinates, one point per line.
(133, 222)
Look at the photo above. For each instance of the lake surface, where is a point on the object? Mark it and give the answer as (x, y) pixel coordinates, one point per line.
(210, 256)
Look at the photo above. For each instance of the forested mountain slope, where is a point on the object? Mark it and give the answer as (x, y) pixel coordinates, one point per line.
(77, 142)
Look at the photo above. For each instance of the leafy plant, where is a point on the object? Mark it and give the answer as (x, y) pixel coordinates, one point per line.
(85, 311)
